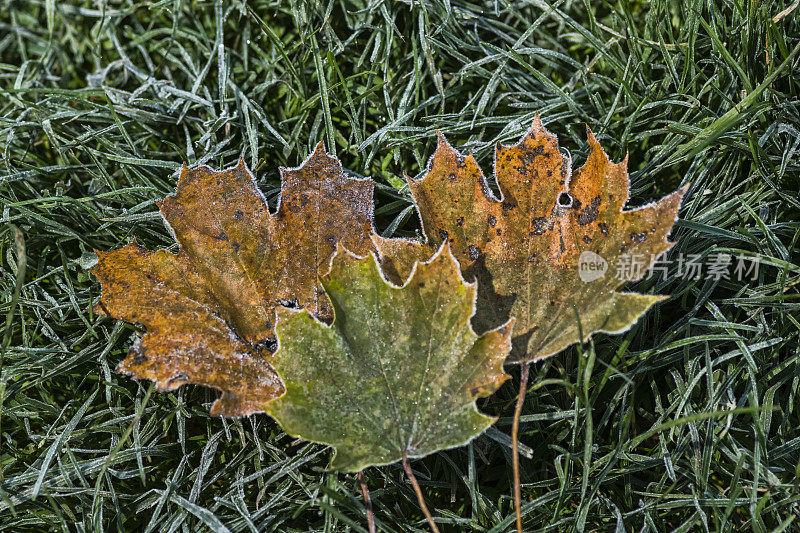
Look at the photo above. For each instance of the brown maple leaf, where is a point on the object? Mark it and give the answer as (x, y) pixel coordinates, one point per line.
(526, 248)
(209, 310)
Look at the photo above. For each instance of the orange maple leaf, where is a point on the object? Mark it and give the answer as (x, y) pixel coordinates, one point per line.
(209, 309)
(526, 248)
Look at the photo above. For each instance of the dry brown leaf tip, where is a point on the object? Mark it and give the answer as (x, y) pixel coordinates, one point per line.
(525, 248)
(209, 309)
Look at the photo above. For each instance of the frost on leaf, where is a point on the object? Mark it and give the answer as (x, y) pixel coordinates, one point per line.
(398, 370)
(209, 309)
(526, 249)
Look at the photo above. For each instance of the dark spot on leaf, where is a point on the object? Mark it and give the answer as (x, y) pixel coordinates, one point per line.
(452, 175)
(507, 206)
(443, 235)
(499, 232)
(474, 252)
(539, 225)
(421, 284)
(603, 228)
(587, 239)
(331, 239)
(460, 221)
(238, 214)
(235, 246)
(475, 391)
(291, 303)
(139, 356)
(528, 159)
(589, 214)
(491, 220)
(639, 237)
(528, 162)
(269, 345)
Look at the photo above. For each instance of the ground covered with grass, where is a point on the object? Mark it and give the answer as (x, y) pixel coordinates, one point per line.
(688, 422)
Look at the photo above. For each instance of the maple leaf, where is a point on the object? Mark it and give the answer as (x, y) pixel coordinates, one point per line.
(526, 248)
(209, 310)
(397, 373)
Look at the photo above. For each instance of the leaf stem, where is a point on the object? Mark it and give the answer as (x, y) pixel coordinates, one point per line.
(420, 498)
(367, 502)
(523, 387)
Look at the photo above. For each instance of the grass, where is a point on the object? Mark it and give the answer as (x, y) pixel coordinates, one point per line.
(689, 422)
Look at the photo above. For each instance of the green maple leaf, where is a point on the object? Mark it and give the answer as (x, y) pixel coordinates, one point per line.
(398, 371)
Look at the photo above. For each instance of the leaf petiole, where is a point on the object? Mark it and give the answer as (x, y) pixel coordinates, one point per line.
(412, 478)
(523, 387)
(367, 502)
